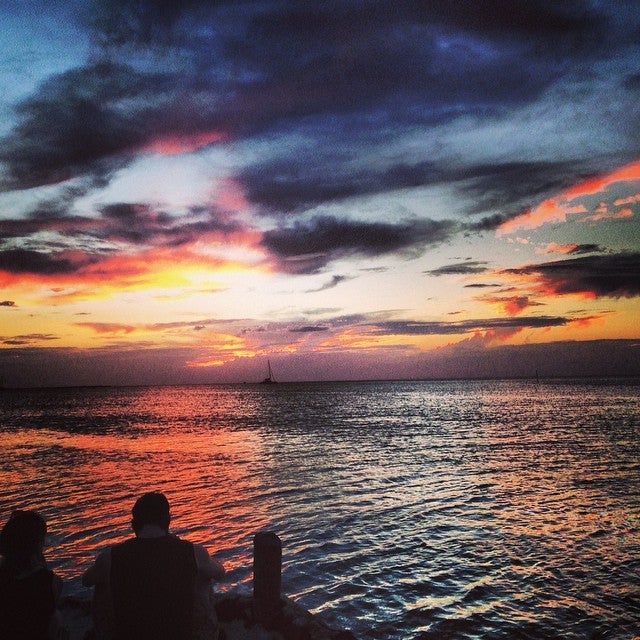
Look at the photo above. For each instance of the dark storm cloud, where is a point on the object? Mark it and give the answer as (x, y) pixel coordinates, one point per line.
(140, 223)
(248, 67)
(81, 118)
(27, 261)
(614, 276)
(514, 186)
(460, 268)
(142, 22)
(307, 247)
(309, 179)
(568, 21)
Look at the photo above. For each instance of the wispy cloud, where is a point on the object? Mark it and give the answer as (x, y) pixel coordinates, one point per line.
(554, 247)
(308, 247)
(334, 282)
(28, 339)
(460, 268)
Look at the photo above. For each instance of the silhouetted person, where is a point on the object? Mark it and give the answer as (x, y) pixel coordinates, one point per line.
(154, 586)
(29, 590)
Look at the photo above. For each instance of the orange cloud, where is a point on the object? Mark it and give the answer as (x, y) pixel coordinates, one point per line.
(222, 348)
(558, 208)
(551, 210)
(587, 321)
(628, 173)
(111, 328)
(511, 305)
(554, 247)
(153, 268)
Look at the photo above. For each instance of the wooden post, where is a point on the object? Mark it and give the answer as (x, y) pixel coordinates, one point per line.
(267, 574)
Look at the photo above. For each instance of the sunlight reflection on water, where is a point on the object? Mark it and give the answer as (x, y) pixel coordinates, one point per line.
(407, 510)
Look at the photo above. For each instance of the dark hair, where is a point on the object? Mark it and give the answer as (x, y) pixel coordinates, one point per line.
(22, 536)
(151, 508)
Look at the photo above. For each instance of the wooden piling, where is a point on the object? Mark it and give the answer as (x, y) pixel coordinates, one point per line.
(267, 574)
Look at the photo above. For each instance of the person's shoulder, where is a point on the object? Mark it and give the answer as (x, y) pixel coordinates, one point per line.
(207, 566)
(98, 572)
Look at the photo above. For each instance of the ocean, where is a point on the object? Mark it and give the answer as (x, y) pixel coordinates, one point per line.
(407, 510)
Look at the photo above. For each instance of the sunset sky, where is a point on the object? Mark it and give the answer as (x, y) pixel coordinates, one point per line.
(353, 189)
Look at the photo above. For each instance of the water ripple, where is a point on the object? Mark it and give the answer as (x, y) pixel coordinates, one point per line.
(407, 510)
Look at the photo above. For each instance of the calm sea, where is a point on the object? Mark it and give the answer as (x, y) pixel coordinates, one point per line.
(406, 509)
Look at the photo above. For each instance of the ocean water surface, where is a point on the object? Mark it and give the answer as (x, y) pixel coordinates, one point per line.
(407, 510)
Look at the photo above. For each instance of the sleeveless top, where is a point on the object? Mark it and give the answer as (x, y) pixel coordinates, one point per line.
(26, 605)
(152, 588)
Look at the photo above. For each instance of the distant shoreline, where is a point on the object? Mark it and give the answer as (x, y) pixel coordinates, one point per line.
(622, 379)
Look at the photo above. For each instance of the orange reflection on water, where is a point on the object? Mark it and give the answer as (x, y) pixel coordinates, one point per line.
(86, 483)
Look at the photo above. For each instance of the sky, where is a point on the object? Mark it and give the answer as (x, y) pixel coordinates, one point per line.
(348, 190)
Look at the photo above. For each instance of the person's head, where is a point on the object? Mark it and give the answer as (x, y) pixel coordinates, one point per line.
(151, 508)
(22, 537)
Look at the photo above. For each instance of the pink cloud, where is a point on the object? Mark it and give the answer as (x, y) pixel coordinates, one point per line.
(551, 210)
(177, 144)
(554, 247)
(555, 210)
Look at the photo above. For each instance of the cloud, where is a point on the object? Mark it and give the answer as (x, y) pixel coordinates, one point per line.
(482, 285)
(512, 186)
(124, 242)
(308, 329)
(614, 276)
(149, 21)
(460, 268)
(22, 261)
(141, 224)
(334, 282)
(310, 178)
(110, 328)
(308, 247)
(556, 209)
(395, 327)
(7, 303)
(50, 366)
(554, 247)
(223, 69)
(28, 339)
(512, 305)
(76, 122)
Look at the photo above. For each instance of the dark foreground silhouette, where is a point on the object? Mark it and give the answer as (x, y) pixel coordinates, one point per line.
(153, 586)
(29, 590)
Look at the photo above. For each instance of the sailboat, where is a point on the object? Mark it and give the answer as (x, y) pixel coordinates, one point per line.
(269, 379)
